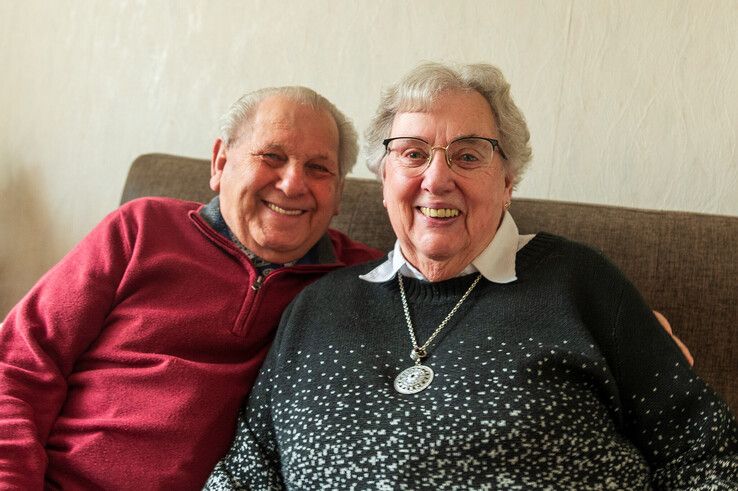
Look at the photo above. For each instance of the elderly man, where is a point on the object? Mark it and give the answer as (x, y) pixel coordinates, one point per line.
(126, 364)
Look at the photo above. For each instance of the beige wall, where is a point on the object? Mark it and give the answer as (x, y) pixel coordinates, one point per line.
(629, 102)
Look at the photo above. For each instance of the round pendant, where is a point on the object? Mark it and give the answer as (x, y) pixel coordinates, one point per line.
(414, 379)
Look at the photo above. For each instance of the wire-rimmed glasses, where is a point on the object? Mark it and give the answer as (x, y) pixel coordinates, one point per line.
(463, 155)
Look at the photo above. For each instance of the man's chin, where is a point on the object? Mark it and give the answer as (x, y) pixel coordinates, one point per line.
(282, 251)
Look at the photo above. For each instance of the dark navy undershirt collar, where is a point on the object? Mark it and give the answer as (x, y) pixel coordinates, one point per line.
(212, 215)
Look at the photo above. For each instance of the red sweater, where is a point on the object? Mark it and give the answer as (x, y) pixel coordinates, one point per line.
(125, 366)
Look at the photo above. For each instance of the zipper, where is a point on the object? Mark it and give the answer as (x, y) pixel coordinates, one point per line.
(247, 312)
(257, 284)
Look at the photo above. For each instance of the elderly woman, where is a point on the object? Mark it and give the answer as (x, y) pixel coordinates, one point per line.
(473, 357)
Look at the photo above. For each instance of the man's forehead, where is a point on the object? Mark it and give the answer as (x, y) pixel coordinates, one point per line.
(281, 122)
(282, 110)
(290, 147)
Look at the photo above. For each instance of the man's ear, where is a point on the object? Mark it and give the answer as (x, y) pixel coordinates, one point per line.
(217, 163)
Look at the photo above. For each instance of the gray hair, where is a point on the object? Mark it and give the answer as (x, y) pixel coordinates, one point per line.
(244, 108)
(417, 92)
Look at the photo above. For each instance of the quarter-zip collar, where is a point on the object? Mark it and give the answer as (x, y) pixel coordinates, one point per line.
(321, 253)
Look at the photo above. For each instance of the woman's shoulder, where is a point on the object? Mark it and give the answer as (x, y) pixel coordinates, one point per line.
(544, 244)
(546, 249)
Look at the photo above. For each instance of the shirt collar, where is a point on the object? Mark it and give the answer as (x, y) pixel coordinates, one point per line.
(496, 262)
(321, 252)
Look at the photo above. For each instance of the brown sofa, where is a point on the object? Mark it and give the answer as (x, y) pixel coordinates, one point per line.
(685, 264)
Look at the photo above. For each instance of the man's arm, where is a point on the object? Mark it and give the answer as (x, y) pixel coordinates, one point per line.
(253, 460)
(40, 341)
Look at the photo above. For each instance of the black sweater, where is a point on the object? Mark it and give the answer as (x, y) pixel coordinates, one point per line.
(562, 379)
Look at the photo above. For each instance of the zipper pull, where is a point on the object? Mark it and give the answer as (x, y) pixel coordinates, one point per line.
(257, 283)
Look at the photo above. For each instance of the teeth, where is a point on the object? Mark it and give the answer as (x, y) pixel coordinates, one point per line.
(276, 208)
(439, 212)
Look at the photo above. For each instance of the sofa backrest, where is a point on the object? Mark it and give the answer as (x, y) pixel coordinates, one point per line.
(684, 264)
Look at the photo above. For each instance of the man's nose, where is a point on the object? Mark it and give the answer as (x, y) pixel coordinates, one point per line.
(292, 179)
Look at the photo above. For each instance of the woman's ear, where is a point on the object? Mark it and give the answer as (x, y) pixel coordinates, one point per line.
(508, 188)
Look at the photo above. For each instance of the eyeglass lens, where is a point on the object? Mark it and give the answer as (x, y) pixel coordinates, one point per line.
(462, 155)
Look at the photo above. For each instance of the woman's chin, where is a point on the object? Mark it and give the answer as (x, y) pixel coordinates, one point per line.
(441, 256)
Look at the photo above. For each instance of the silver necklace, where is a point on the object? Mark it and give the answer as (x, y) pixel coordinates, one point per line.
(418, 377)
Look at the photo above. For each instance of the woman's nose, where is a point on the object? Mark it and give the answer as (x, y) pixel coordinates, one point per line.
(438, 176)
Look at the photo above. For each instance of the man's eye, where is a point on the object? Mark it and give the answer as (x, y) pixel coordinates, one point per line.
(271, 158)
(319, 170)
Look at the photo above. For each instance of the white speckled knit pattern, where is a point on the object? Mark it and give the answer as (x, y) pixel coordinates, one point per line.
(540, 384)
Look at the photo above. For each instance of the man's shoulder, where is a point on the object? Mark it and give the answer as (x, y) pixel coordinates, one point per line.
(153, 210)
(150, 213)
(348, 277)
(158, 204)
(349, 251)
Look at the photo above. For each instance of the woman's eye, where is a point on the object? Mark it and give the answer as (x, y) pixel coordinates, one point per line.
(467, 157)
(414, 155)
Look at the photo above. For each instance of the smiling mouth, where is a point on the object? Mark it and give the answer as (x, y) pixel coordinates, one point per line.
(283, 211)
(439, 212)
